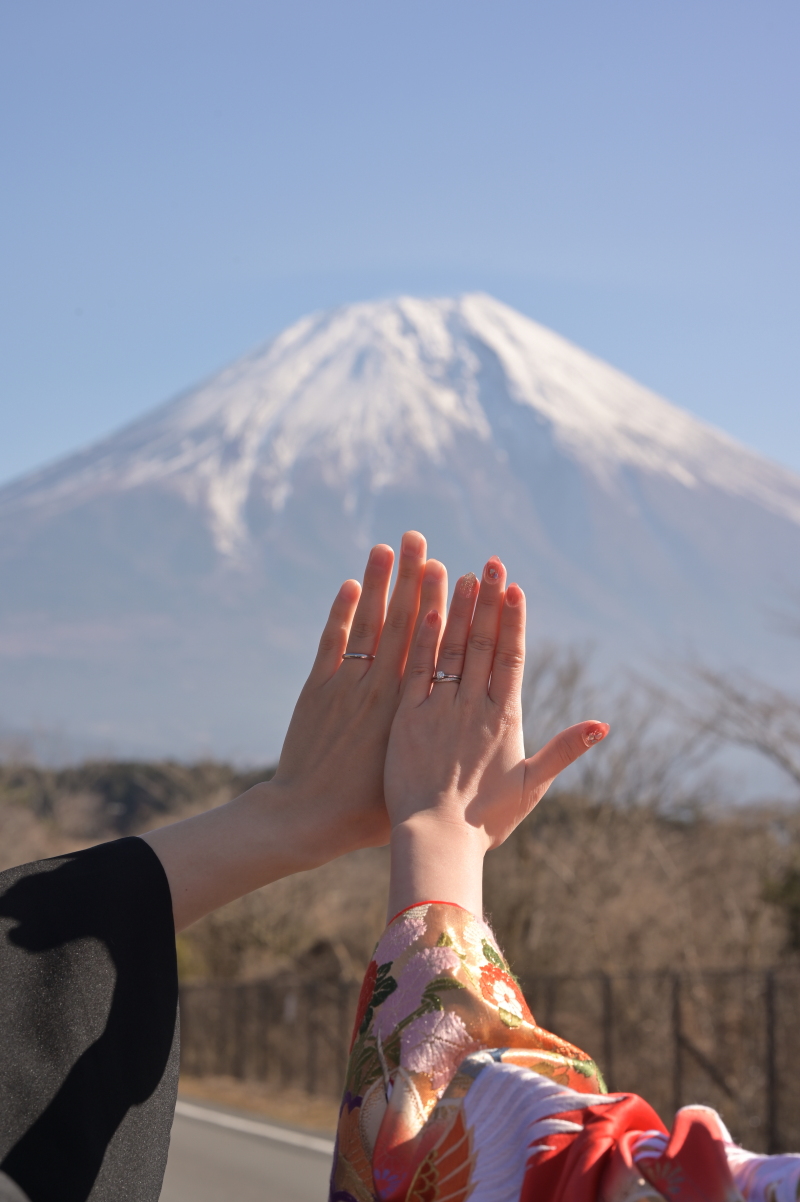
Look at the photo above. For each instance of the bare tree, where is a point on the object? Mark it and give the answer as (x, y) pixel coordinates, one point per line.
(652, 758)
(739, 710)
(745, 712)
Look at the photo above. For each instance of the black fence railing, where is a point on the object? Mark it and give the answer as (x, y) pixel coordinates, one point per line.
(286, 1031)
(730, 1039)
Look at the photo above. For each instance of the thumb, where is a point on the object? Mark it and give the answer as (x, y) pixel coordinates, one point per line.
(562, 750)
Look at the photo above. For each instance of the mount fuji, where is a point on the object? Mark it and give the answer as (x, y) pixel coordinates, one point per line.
(162, 591)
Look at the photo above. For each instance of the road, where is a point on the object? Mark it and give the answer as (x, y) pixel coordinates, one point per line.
(220, 1155)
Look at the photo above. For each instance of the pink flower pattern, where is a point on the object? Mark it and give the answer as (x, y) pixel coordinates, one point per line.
(435, 1044)
(400, 935)
(421, 969)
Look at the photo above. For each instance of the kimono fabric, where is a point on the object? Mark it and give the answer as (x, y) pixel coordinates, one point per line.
(88, 1014)
(454, 1092)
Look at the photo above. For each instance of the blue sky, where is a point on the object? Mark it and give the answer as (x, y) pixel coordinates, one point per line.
(181, 180)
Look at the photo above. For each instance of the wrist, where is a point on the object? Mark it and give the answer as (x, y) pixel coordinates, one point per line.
(313, 826)
(272, 830)
(278, 822)
(437, 857)
(227, 851)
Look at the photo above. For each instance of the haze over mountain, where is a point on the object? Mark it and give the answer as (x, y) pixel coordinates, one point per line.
(163, 590)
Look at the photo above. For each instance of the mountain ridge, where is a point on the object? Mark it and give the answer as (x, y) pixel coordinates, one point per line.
(610, 439)
(205, 539)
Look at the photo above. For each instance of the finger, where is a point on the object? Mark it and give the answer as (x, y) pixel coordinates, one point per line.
(334, 636)
(482, 640)
(404, 605)
(509, 658)
(433, 594)
(422, 657)
(368, 618)
(453, 646)
(543, 768)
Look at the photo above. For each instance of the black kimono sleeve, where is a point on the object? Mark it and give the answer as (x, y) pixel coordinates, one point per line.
(89, 1042)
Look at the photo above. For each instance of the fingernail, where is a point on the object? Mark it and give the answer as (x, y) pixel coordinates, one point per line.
(595, 735)
(468, 583)
(513, 594)
(493, 569)
(432, 618)
(412, 544)
(380, 557)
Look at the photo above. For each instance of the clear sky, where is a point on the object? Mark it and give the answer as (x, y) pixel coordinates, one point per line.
(182, 178)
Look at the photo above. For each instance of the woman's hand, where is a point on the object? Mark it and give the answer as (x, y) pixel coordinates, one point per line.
(457, 782)
(327, 795)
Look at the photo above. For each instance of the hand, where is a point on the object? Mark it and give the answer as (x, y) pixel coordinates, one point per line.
(334, 752)
(457, 781)
(327, 795)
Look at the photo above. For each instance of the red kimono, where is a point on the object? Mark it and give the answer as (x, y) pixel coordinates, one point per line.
(454, 1092)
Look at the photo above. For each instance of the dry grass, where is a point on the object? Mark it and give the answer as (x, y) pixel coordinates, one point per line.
(290, 1106)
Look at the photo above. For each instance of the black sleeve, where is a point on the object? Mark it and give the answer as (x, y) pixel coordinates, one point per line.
(89, 1043)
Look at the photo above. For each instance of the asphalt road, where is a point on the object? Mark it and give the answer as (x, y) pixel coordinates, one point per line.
(221, 1155)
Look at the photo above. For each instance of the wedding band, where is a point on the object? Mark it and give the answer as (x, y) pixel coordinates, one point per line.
(439, 677)
(357, 655)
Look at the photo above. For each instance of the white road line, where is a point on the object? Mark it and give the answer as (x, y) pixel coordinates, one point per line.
(313, 1143)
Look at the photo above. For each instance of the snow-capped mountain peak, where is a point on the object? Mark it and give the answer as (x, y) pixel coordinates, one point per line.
(370, 390)
(164, 589)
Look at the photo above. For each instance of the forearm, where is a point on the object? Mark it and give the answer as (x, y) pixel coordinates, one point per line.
(436, 859)
(266, 833)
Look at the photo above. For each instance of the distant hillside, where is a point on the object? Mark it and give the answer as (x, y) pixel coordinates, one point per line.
(583, 885)
(46, 812)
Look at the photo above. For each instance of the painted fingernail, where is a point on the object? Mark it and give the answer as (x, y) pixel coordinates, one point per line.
(467, 584)
(493, 569)
(432, 618)
(595, 735)
(513, 594)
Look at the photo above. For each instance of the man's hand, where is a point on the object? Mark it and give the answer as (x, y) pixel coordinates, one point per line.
(327, 795)
(333, 757)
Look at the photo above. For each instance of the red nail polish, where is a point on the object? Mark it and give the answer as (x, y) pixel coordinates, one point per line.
(594, 736)
(432, 618)
(492, 569)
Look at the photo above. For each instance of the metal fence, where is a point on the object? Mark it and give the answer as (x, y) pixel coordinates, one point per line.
(285, 1031)
(730, 1039)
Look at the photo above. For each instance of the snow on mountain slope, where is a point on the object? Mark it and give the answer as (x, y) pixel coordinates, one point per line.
(630, 522)
(366, 388)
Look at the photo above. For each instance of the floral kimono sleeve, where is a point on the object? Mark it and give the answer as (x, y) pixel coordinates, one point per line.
(453, 1093)
(437, 1004)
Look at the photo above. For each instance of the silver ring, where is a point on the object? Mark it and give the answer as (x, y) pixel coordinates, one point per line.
(439, 677)
(357, 655)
